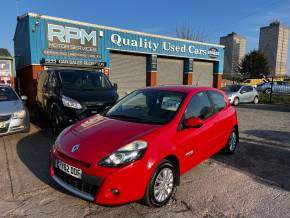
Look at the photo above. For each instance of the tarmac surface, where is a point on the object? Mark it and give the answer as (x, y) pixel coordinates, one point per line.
(255, 182)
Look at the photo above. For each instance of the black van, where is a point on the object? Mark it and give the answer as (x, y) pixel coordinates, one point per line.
(69, 95)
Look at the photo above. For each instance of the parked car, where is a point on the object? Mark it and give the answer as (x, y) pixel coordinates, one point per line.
(253, 82)
(241, 94)
(14, 116)
(69, 95)
(279, 87)
(141, 146)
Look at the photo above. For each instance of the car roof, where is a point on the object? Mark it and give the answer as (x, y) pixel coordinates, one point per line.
(182, 88)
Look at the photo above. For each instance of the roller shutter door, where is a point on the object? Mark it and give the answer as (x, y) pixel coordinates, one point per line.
(169, 71)
(128, 71)
(202, 73)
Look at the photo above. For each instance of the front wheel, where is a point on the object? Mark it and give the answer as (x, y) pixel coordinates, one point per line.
(162, 185)
(55, 123)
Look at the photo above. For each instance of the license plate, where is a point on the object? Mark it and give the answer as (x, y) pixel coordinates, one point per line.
(68, 169)
(2, 125)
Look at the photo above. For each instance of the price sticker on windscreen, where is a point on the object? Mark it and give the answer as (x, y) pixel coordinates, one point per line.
(170, 103)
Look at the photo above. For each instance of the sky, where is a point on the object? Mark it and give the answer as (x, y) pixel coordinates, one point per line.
(212, 18)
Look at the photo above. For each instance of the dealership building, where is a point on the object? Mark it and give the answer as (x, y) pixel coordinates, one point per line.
(131, 59)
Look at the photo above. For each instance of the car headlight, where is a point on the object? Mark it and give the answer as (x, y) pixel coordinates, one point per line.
(19, 114)
(125, 155)
(69, 102)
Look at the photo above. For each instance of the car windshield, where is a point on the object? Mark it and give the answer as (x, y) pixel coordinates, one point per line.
(232, 88)
(148, 106)
(7, 94)
(84, 80)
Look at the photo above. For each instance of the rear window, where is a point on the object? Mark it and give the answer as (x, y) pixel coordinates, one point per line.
(7, 94)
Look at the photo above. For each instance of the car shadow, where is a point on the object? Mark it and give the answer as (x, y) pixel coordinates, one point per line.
(266, 107)
(33, 151)
(265, 157)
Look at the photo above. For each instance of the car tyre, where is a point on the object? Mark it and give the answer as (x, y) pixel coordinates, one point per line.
(236, 101)
(55, 123)
(162, 185)
(232, 142)
(268, 91)
(256, 100)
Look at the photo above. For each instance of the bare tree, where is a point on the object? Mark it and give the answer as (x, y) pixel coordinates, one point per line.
(187, 32)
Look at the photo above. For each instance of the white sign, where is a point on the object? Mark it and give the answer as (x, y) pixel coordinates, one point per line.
(120, 41)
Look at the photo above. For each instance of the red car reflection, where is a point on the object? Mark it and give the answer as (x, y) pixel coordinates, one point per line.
(140, 147)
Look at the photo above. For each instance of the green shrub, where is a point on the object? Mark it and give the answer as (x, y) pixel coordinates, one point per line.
(276, 99)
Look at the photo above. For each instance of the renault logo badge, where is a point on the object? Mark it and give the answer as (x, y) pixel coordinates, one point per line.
(75, 148)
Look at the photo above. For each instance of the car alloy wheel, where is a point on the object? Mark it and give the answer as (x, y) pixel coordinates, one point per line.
(233, 141)
(162, 185)
(268, 91)
(256, 100)
(236, 101)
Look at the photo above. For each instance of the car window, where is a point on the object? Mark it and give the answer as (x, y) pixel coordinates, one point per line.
(249, 88)
(148, 106)
(199, 106)
(218, 100)
(7, 94)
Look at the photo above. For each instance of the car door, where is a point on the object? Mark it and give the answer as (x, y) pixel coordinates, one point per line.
(194, 142)
(245, 94)
(223, 123)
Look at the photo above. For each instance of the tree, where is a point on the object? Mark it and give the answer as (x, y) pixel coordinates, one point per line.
(187, 32)
(253, 65)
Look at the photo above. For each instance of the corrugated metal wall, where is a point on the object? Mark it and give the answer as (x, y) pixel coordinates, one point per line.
(202, 73)
(128, 71)
(169, 71)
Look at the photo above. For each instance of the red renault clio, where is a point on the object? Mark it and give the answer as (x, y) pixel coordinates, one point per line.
(140, 147)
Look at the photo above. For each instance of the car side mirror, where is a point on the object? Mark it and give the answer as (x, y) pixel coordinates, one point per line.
(193, 122)
(24, 98)
(242, 91)
(115, 85)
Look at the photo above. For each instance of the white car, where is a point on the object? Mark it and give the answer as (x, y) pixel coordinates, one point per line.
(14, 116)
(241, 94)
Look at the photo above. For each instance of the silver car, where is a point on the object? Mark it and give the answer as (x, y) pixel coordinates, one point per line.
(278, 87)
(241, 94)
(14, 116)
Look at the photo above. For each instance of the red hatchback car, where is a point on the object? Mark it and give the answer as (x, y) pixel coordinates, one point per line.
(139, 148)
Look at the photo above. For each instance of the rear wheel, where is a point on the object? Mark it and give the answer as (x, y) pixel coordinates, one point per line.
(162, 185)
(256, 100)
(268, 91)
(236, 101)
(232, 142)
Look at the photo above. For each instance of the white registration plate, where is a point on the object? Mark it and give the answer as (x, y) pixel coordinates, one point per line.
(2, 125)
(68, 169)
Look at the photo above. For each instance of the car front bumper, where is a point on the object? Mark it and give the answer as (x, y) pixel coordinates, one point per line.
(13, 125)
(99, 184)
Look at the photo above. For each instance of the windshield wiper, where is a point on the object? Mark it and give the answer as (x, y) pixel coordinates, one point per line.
(122, 116)
(136, 119)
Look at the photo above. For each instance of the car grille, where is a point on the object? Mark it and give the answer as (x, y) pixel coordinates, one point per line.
(76, 183)
(4, 118)
(3, 130)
